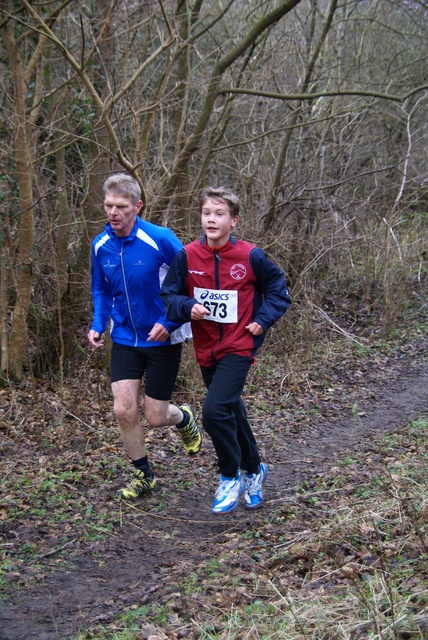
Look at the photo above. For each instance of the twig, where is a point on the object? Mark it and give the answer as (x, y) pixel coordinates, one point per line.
(289, 543)
(391, 231)
(7, 473)
(337, 327)
(50, 553)
(161, 517)
(55, 404)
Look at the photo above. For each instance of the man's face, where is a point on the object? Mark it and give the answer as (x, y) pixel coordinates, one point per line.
(216, 221)
(121, 212)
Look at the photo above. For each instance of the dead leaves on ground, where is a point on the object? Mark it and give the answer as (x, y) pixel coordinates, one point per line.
(62, 460)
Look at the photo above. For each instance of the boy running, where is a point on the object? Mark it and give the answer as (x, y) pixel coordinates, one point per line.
(232, 294)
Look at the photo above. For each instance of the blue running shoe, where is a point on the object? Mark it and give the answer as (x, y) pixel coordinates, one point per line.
(227, 494)
(254, 489)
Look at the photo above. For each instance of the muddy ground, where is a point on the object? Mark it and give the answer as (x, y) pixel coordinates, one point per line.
(143, 559)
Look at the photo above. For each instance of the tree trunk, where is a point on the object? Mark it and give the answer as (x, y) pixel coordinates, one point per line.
(24, 155)
(78, 291)
(4, 288)
(63, 217)
(288, 135)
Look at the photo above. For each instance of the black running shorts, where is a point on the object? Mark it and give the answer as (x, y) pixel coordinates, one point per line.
(160, 364)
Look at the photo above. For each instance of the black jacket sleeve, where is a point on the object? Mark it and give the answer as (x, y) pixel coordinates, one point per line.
(175, 296)
(273, 288)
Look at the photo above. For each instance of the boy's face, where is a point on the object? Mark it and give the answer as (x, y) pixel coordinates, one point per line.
(216, 221)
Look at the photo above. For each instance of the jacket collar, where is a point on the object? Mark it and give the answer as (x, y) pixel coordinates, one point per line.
(135, 228)
(232, 240)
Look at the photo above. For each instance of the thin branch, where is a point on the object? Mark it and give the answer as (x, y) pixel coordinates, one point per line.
(409, 149)
(89, 86)
(336, 326)
(53, 551)
(139, 71)
(391, 230)
(324, 94)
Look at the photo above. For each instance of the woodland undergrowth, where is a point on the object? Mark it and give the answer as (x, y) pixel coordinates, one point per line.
(344, 555)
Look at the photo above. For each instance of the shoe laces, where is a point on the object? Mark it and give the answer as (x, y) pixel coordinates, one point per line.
(254, 483)
(139, 480)
(224, 487)
(189, 432)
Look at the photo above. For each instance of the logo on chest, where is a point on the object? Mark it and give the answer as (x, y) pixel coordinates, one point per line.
(238, 271)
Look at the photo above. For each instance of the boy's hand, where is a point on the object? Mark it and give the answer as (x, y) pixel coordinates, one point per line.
(199, 312)
(255, 328)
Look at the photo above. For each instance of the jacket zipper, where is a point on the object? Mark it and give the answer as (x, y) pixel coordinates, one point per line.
(217, 284)
(127, 297)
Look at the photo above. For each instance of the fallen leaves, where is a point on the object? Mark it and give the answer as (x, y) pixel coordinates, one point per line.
(167, 561)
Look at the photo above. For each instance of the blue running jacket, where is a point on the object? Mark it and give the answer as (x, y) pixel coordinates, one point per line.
(127, 274)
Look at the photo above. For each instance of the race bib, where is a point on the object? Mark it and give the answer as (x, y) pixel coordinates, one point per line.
(222, 305)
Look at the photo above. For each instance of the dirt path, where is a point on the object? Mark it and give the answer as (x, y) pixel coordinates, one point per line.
(137, 564)
(396, 405)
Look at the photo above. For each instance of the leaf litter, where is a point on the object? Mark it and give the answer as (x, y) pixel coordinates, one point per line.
(344, 506)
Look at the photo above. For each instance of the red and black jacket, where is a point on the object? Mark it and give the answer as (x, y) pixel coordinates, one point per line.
(201, 274)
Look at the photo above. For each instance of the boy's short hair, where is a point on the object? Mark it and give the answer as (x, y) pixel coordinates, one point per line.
(123, 184)
(224, 195)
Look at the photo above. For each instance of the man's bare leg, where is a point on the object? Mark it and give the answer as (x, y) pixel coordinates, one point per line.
(161, 413)
(158, 413)
(126, 394)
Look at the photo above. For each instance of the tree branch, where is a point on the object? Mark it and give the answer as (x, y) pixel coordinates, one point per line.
(88, 84)
(213, 90)
(324, 94)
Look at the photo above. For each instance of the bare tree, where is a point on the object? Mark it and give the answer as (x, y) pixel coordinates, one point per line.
(305, 107)
(26, 71)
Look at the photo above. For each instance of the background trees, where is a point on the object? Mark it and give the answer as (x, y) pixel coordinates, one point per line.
(314, 111)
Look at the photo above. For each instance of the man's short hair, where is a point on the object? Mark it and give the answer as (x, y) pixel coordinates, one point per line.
(224, 195)
(123, 184)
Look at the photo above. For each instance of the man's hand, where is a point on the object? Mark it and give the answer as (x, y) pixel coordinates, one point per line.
(255, 328)
(95, 339)
(199, 312)
(159, 333)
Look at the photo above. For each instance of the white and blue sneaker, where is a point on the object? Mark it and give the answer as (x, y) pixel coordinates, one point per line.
(227, 494)
(254, 489)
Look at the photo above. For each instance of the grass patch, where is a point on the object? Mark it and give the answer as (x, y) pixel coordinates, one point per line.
(342, 557)
(360, 570)
(348, 559)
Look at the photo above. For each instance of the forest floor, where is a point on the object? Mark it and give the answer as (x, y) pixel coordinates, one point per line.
(77, 563)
